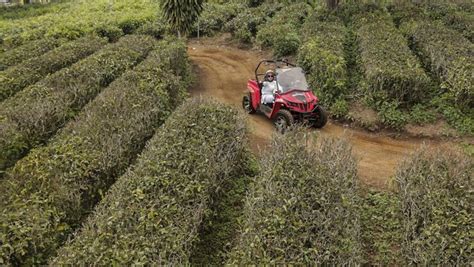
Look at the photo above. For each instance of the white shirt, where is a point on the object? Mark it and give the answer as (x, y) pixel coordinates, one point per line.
(269, 88)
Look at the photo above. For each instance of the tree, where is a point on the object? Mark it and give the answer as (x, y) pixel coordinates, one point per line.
(181, 14)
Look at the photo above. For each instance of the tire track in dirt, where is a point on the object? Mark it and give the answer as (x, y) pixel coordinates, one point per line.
(223, 72)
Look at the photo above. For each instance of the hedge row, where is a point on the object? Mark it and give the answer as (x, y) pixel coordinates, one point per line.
(152, 213)
(244, 26)
(51, 190)
(24, 52)
(34, 114)
(448, 55)
(111, 19)
(18, 77)
(323, 55)
(303, 207)
(390, 68)
(282, 31)
(214, 16)
(436, 194)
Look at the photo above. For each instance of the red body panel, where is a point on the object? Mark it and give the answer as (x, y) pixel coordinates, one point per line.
(302, 102)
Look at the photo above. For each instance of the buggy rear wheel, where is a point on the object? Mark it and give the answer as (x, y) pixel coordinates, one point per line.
(247, 104)
(283, 120)
(321, 118)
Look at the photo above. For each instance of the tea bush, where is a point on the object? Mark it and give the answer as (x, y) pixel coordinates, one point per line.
(436, 193)
(282, 31)
(31, 50)
(34, 114)
(244, 26)
(214, 17)
(448, 55)
(322, 55)
(303, 206)
(154, 211)
(18, 77)
(388, 64)
(51, 190)
(78, 19)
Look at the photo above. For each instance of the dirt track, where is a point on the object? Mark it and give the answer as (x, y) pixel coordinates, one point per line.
(223, 72)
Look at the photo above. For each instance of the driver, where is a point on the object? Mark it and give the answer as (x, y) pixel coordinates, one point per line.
(269, 87)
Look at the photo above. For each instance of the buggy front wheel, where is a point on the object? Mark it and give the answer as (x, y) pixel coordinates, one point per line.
(283, 120)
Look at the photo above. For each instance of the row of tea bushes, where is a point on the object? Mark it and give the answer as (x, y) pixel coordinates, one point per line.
(30, 71)
(303, 206)
(214, 16)
(48, 193)
(152, 214)
(111, 19)
(244, 26)
(34, 114)
(322, 55)
(24, 52)
(390, 68)
(281, 32)
(436, 191)
(448, 55)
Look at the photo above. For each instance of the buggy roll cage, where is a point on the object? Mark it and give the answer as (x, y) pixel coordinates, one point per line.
(270, 61)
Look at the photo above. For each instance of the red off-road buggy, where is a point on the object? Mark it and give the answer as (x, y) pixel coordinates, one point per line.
(294, 101)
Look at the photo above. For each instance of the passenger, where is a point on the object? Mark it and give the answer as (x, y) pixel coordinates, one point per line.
(269, 88)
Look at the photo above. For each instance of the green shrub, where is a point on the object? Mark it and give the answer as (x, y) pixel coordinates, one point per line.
(52, 189)
(461, 21)
(390, 114)
(381, 229)
(30, 71)
(322, 55)
(24, 52)
(282, 31)
(302, 208)
(421, 114)
(244, 26)
(448, 55)
(436, 193)
(34, 114)
(156, 29)
(154, 211)
(112, 33)
(214, 17)
(389, 65)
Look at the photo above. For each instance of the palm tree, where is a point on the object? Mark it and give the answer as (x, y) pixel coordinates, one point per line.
(181, 14)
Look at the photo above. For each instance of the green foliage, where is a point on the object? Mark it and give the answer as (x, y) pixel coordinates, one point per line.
(436, 194)
(381, 229)
(215, 16)
(77, 19)
(421, 114)
(154, 211)
(30, 71)
(181, 15)
(24, 52)
(390, 114)
(322, 55)
(31, 116)
(448, 55)
(156, 29)
(219, 230)
(112, 33)
(244, 26)
(282, 31)
(387, 62)
(52, 189)
(303, 206)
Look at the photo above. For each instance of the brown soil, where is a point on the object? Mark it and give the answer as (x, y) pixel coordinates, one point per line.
(223, 71)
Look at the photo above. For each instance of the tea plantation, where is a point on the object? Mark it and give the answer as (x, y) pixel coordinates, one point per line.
(105, 159)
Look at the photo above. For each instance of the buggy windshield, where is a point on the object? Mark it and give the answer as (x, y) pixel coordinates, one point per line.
(291, 79)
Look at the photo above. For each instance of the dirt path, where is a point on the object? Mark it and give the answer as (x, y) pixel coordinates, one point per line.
(223, 72)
